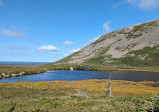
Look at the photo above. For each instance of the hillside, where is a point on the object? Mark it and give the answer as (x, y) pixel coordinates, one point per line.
(136, 45)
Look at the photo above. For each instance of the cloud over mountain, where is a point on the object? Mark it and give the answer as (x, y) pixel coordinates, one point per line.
(74, 50)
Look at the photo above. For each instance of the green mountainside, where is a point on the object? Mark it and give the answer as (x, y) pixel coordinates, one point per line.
(136, 45)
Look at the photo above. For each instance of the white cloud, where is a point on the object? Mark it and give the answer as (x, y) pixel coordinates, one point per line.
(149, 4)
(144, 4)
(48, 48)
(53, 54)
(74, 50)
(12, 33)
(67, 43)
(106, 27)
(58, 54)
(17, 47)
(131, 1)
(65, 55)
(1, 3)
(119, 3)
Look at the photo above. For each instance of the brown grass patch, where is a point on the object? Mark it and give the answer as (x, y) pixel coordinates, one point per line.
(91, 87)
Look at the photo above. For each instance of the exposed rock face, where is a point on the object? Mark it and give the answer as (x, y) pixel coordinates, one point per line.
(118, 44)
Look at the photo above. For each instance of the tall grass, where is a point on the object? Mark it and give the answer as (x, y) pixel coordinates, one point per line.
(57, 96)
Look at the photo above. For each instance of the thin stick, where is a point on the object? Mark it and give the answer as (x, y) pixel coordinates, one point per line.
(110, 92)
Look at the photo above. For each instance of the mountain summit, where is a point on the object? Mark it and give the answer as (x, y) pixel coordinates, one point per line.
(136, 45)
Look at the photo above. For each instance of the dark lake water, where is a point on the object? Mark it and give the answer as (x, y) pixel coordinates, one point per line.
(83, 75)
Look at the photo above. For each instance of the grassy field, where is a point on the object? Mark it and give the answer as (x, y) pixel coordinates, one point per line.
(60, 96)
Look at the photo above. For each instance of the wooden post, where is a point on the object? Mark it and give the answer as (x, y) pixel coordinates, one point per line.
(110, 92)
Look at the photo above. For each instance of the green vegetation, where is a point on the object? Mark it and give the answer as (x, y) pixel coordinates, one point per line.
(91, 67)
(152, 23)
(16, 70)
(79, 104)
(61, 96)
(136, 31)
(100, 58)
(104, 37)
(132, 33)
(68, 58)
(64, 96)
(53, 66)
(147, 56)
(128, 47)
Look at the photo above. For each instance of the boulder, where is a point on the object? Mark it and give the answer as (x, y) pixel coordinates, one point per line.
(13, 75)
(21, 73)
(6, 76)
(3, 74)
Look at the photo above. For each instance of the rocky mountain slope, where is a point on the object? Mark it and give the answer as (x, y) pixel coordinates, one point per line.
(136, 45)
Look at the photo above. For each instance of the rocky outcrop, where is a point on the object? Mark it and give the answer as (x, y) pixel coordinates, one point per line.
(21, 73)
(4, 75)
(12, 75)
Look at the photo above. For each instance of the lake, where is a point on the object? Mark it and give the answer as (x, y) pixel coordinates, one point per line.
(83, 75)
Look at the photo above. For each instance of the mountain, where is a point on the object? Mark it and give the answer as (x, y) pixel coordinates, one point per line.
(136, 45)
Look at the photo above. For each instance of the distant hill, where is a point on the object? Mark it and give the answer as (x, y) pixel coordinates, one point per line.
(136, 45)
(21, 64)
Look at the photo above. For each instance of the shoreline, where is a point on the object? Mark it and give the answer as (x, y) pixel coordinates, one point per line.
(4, 76)
(142, 70)
(83, 80)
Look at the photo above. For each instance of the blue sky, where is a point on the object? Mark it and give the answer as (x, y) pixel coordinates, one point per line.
(49, 30)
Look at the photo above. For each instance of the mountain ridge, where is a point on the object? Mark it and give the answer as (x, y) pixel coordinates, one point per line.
(123, 46)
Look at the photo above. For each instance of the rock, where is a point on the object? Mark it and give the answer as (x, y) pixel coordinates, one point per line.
(71, 68)
(6, 76)
(131, 38)
(13, 75)
(21, 73)
(80, 94)
(3, 74)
